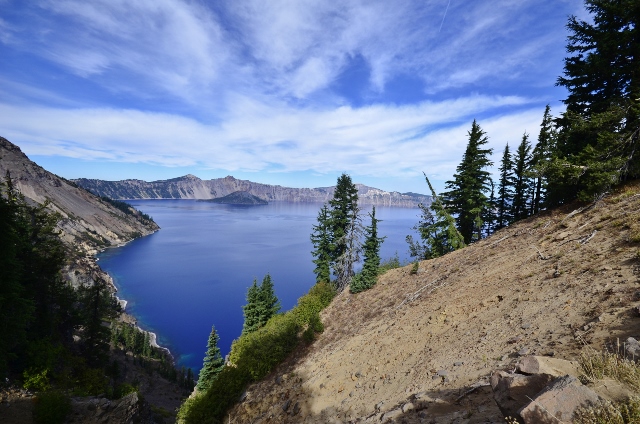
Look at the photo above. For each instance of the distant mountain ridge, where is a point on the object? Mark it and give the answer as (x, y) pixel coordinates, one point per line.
(192, 187)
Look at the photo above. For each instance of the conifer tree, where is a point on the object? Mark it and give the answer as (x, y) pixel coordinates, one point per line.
(267, 300)
(367, 278)
(540, 160)
(213, 362)
(321, 240)
(438, 232)
(262, 304)
(466, 198)
(351, 250)
(599, 133)
(505, 190)
(342, 206)
(251, 309)
(522, 183)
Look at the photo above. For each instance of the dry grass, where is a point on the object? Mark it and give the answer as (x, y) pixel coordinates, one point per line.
(598, 365)
(606, 412)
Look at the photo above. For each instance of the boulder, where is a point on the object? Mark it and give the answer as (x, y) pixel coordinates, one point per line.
(558, 401)
(514, 391)
(550, 366)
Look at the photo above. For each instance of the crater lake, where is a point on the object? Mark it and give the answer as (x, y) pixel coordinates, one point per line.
(195, 271)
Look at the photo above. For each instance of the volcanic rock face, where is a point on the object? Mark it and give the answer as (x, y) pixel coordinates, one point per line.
(88, 223)
(240, 198)
(192, 187)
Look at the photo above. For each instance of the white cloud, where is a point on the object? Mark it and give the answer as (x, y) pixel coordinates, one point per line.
(376, 140)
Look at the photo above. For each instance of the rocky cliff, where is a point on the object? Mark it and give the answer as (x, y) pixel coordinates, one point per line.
(192, 187)
(88, 223)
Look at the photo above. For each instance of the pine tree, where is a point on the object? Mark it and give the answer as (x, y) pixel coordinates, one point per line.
(321, 240)
(213, 362)
(466, 198)
(599, 133)
(540, 160)
(351, 249)
(269, 304)
(251, 309)
(505, 190)
(522, 186)
(262, 304)
(345, 200)
(438, 232)
(367, 278)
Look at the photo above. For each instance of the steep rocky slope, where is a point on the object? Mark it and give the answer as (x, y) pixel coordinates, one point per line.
(555, 284)
(192, 187)
(87, 222)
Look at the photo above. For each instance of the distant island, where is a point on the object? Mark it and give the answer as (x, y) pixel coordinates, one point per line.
(239, 198)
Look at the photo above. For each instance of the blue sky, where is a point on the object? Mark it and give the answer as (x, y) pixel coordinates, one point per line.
(283, 92)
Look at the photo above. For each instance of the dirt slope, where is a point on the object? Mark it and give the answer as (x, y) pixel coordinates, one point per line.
(549, 285)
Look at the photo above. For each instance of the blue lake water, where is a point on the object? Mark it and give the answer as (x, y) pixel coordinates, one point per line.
(195, 271)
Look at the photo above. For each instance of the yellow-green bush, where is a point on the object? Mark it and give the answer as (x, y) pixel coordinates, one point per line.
(253, 355)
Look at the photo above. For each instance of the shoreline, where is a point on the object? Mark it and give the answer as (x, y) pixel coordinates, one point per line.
(153, 337)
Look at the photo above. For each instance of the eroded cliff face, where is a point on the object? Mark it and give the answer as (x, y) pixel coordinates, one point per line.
(192, 187)
(88, 223)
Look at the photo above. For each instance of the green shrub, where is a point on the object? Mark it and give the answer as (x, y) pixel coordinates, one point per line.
(36, 380)
(253, 355)
(391, 263)
(414, 268)
(51, 408)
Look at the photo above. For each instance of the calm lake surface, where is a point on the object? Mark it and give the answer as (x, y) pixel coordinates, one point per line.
(195, 271)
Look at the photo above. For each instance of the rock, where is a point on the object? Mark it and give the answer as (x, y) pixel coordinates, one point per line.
(524, 351)
(515, 339)
(525, 326)
(408, 407)
(443, 373)
(550, 366)
(458, 364)
(379, 405)
(513, 391)
(391, 415)
(296, 409)
(558, 401)
(632, 347)
(563, 235)
(285, 406)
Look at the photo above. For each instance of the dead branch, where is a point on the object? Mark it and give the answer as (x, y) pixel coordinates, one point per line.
(589, 237)
(417, 293)
(544, 258)
(577, 211)
(498, 241)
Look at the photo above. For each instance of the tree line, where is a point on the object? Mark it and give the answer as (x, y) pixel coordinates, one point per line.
(580, 154)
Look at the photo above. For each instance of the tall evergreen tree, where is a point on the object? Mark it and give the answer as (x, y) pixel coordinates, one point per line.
(505, 190)
(367, 278)
(351, 250)
(599, 133)
(522, 185)
(342, 206)
(541, 158)
(466, 198)
(262, 304)
(251, 310)
(213, 362)
(268, 301)
(321, 240)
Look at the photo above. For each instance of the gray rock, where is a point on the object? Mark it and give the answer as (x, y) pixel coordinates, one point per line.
(558, 401)
(443, 373)
(285, 406)
(458, 364)
(513, 391)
